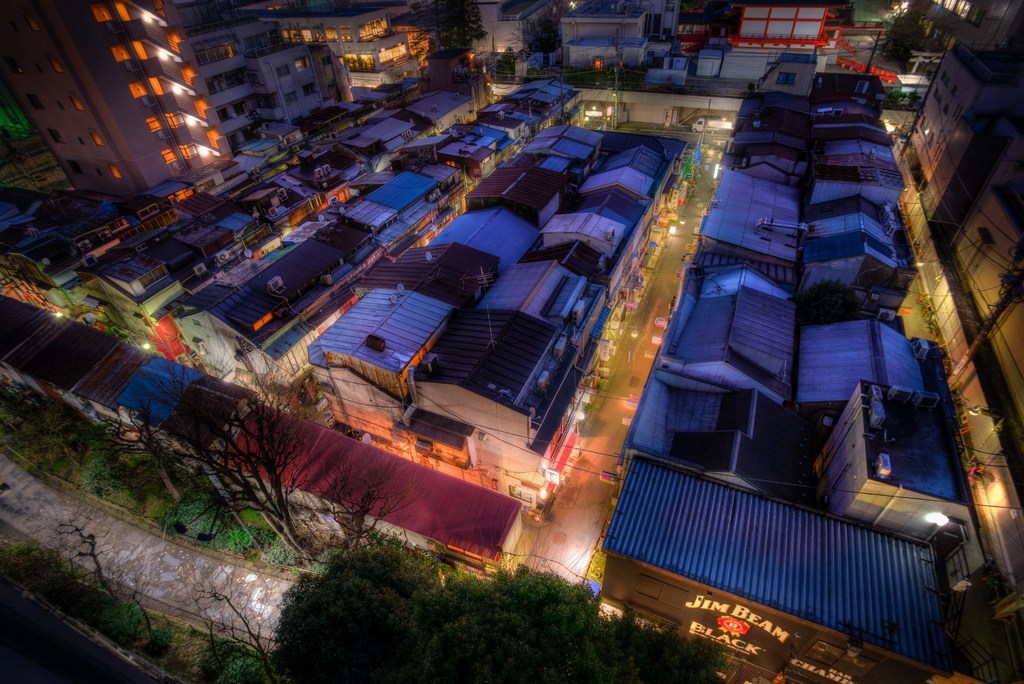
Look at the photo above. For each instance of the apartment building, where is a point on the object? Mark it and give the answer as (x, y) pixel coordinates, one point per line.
(128, 95)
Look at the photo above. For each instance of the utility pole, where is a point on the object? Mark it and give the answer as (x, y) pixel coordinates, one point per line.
(615, 92)
(1010, 292)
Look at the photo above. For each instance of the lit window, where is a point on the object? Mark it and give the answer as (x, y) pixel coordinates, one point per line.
(154, 83)
(168, 155)
(174, 119)
(55, 63)
(786, 78)
(122, 11)
(174, 40)
(120, 53)
(114, 171)
(213, 136)
(96, 138)
(599, 63)
(140, 49)
(332, 34)
(301, 64)
(102, 13)
(31, 21)
(153, 123)
(307, 36)
(188, 151)
(138, 89)
(76, 103)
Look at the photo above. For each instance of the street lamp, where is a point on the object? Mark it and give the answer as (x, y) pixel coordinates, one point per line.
(936, 518)
(634, 333)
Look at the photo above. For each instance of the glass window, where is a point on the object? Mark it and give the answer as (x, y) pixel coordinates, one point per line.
(76, 103)
(168, 155)
(96, 138)
(373, 29)
(309, 89)
(55, 134)
(188, 151)
(290, 97)
(137, 88)
(120, 53)
(13, 66)
(34, 101)
(55, 63)
(282, 70)
(345, 34)
(31, 21)
(785, 78)
(114, 171)
(102, 13)
(301, 64)
(73, 165)
(153, 123)
(332, 34)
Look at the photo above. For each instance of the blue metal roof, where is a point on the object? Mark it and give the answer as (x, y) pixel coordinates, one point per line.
(495, 231)
(602, 318)
(553, 163)
(155, 390)
(834, 573)
(402, 190)
(834, 247)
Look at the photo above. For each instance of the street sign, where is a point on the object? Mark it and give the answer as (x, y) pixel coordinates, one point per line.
(607, 476)
(630, 305)
(656, 339)
(660, 322)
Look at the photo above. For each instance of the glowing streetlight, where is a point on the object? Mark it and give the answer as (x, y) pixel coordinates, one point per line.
(147, 346)
(936, 518)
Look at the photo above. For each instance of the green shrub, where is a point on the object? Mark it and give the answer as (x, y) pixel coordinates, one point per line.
(122, 622)
(280, 554)
(233, 540)
(103, 475)
(243, 669)
(160, 640)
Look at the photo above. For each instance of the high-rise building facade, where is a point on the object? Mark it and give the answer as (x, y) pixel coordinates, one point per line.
(128, 95)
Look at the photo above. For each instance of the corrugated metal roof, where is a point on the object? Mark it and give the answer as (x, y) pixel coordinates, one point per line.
(406, 321)
(578, 257)
(155, 390)
(588, 224)
(616, 205)
(492, 353)
(20, 322)
(833, 573)
(105, 381)
(542, 289)
(741, 200)
(532, 187)
(60, 352)
(835, 358)
(454, 273)
(402, 190)
(626, 178)
(496, 231)
(415, 498)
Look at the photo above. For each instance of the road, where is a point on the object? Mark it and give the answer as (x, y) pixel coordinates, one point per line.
(170, 578)
(566, 541)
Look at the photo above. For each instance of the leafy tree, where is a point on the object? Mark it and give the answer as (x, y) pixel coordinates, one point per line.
(829, 301)
(506, 62)
(544, 34)
(394, 617)
(353, 622)
(453, 23)
(907, 33)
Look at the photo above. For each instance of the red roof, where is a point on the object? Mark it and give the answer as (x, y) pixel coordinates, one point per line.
(437, 506)
(532, 187)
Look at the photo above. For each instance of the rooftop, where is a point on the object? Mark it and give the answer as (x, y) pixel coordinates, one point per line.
(820, 565)
(403, 322)
(532, 187)
(496, 231)
(452, 273)
(542, 289)
(835, 358)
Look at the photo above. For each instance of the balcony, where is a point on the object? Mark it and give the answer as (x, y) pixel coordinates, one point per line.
(228, 95)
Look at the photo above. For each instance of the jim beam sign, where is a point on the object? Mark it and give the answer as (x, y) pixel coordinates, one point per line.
(735, 626)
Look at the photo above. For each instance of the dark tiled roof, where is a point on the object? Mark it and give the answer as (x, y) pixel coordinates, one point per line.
(531, 187)
(20, 322)
(454, 274)
(578, 257)
(492, 353)
(61, 352)
(620, 142)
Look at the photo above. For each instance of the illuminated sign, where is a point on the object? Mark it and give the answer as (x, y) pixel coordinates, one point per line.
(742, 614)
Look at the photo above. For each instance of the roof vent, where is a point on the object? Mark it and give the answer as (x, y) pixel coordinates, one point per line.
(275, 285)
(375, 343)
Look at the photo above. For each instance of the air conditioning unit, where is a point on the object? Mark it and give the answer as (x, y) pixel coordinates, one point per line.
(275, 285)
(199, 269)
(141, 247)
(318, 174)
(883, 466)
(327, 279)
(89, 260)
(921, 347)
(560, 346)
(900, 394)
(886, 314)
(543, 380)
(282, 194)
(926, 399)
(320, 218)
(335, 202)
(222, 257)
(434, 196)
(876, 415)
(578, 312)
(272, 212)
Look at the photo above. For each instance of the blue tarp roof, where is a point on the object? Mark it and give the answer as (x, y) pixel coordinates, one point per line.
(155, 390)
(402, 190)
(726, 538)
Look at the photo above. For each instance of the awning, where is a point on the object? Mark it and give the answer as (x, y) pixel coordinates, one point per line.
(602, 318)
(441, 429)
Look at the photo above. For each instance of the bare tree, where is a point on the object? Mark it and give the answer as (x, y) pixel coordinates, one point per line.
(234, 608)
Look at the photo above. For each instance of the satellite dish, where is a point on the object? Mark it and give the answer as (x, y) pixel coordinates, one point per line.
(45, 261)
(400, 287)
(247, 254)
(430, 257)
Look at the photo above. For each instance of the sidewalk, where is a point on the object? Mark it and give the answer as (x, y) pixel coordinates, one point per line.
(170, 577)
